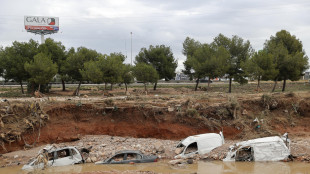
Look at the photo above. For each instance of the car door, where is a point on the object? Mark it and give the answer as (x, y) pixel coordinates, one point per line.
(64, 157)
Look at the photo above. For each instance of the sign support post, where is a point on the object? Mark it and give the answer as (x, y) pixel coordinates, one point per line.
(42, 38)
(41, 25)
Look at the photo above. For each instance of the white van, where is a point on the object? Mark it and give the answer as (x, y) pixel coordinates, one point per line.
(261, 149)
(200, 144)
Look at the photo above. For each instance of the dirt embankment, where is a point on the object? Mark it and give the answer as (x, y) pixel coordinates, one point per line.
(153, 117)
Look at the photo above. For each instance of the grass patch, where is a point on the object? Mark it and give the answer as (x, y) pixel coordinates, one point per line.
(13, 93)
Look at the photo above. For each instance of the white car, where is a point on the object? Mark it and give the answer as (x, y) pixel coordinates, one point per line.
(56, 157)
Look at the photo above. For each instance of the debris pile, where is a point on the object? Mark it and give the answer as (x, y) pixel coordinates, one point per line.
(104, 146)
(16, 118)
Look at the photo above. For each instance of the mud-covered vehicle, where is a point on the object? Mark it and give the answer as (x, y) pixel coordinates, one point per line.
(53, 156)
(129, 156)
(261, 149)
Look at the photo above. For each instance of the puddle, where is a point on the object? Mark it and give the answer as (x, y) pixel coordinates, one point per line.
(200, 167)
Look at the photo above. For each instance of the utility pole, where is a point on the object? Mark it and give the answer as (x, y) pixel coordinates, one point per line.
(131, 46)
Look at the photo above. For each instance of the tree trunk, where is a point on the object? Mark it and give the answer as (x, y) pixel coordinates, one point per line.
(126, 86)
(275, 84)
(63, 85)
(209, 83)
(145, 87)
(284, 84)
(197, 82)
(155, 85)
(39, 87)
(22, 88)
(77, 91)
(105, 86)
(230, 81)
(111, 86)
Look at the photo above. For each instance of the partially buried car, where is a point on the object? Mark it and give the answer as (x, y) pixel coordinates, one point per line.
(54, 156)
(129, 156)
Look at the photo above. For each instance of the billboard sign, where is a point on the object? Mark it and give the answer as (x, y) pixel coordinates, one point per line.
(42, 23)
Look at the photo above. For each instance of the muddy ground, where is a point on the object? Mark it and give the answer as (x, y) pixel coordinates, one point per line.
(164, 114)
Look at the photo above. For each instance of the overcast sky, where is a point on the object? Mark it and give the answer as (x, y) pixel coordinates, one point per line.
(105, 25)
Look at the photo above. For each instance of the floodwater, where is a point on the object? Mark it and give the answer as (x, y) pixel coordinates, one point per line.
(201, 167)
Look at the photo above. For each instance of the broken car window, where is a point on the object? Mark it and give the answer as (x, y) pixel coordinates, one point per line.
(191, 148)
(63, 153)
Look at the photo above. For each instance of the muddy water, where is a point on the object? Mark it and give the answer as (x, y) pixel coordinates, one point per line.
(201, 168)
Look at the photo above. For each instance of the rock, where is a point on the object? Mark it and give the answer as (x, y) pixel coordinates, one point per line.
(15, 156)
(51, 98)
(170, 109)
(190, 161)
(215, 156)
(178, 150)
(244, 112)
(177, 161)
(85, 96)
(286, 111)
(159, 147)
(93, 159)
(197, 106)
(103, 145)
(88, 160)
(274, 105)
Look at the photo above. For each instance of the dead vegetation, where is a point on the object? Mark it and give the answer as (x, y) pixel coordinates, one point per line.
(17, 118)
(165, 113)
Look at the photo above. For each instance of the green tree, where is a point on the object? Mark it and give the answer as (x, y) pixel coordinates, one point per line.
(57, 52)
(261, 67)
(189, 47)
(74, 64)
(216, 61)
(208, 61)
(127, 75)
(112, 66)
(14, 59)
(41, 69)
(1, 61)
(289, 57)
(92, 72)
(240, 51)
(145, 73)
(161, 58)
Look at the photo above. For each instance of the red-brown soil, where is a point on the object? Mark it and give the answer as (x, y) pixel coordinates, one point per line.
(148, 117)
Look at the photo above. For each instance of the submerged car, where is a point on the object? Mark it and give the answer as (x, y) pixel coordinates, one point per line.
(200, 144)
(52, 156)
(261, 149)
(129, 156)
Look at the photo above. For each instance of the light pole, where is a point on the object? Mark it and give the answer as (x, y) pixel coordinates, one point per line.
(131, 46)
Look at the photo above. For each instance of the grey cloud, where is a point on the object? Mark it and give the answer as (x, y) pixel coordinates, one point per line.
(106, 25)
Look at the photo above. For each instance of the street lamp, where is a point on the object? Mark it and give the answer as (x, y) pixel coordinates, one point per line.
(131, 46)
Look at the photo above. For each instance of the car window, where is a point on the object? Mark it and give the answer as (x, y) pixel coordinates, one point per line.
(133, 156)
(51, 156)
(191, 148)
(119, 157)
(63, 153)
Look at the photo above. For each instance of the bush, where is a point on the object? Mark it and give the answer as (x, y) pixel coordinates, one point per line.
(191, 112)
(109, 102)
